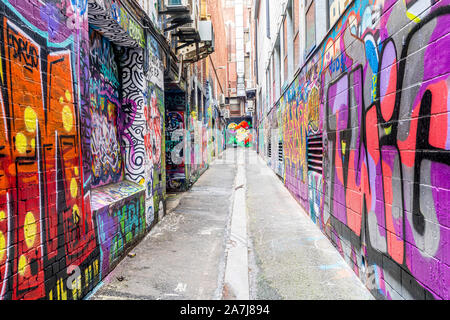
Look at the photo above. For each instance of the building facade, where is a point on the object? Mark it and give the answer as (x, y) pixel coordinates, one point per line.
(353, 115)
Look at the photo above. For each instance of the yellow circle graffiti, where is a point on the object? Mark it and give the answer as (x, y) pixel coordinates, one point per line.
(21, 142)
(22, 265)
(232, 126)
(67, 118)
(30, 119)
(2, 215)
(2, 246)
(29, 229)
(73, 188)
(68, 96)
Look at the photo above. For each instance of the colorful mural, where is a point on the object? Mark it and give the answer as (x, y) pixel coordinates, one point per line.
(104, 93)
(239, 132)
(366, 150)
(66, 213)
(120, 213)
(46, 225)
(156, 149)
(175, 144)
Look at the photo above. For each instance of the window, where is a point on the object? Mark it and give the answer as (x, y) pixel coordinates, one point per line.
(268, 85)
(285, 50)
(273, 79)
(267, 19)
(310, 25)
(296, 33)
(277, 67)
(335, 10)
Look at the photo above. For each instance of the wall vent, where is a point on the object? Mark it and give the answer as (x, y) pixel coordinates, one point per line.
(280, 151)
(315, 153)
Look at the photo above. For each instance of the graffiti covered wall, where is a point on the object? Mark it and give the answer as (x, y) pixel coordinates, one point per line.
(67, 215)
(175, 144)
(364, 129)
(120, 220)
(46, 225)
(155, 143)
(176, 141)
(104, 94)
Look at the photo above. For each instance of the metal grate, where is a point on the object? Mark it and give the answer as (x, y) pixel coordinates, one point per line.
(269, 150)
(280, 151)
(315, 153)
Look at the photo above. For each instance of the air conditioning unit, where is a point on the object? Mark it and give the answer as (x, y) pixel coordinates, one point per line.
(250, 106)
(226, 113)
(222, 99)
(205, 29)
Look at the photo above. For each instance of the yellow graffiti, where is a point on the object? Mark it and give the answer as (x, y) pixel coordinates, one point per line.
(68, 96)
(412, 17)
(76, 288)
(2, 246)
(294, 137)
(30, 229)
(61, 291)
(88, 275)
(313, 110)
(30, 119)
(76, 213)
(374, 87)
(73, 188)
(95, 264)
(388, 130)
(232, 126)
(23, 263)
(2, 237)
(21, 142)
(67, 118)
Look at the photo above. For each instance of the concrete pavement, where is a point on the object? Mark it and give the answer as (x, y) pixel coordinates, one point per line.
(291, 257)
(237, 234)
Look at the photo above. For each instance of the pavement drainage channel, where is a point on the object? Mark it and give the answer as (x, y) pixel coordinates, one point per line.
(236, 281)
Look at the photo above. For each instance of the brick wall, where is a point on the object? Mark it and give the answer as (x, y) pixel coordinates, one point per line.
(59, 103)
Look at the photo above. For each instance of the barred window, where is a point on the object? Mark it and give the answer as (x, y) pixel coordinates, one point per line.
(310, 25)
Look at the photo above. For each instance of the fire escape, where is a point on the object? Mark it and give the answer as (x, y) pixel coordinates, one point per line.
(192, 38)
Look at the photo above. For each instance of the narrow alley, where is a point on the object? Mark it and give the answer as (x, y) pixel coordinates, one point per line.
(187, 255)
(224, 150)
